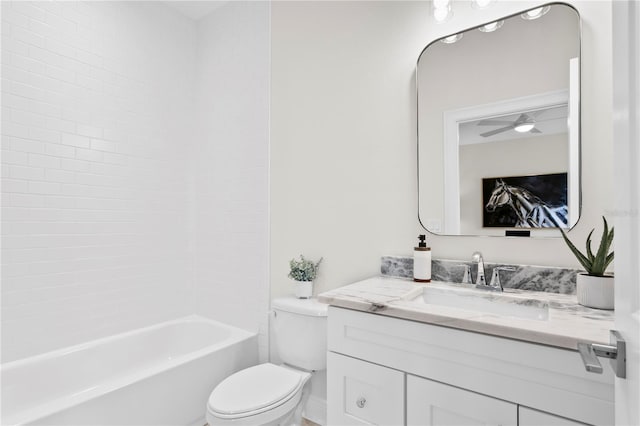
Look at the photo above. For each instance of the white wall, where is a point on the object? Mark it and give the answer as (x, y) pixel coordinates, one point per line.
(232, 167)
(343, 143)
(96, 104)
(342, 136)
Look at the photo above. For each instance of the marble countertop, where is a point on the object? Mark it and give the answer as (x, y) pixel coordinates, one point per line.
(567, 323)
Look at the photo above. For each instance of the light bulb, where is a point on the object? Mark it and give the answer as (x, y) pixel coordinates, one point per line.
(491, 26)
(480, 4)
(452, 38)
(441, 14)
(440, 4)
(535, 13)
(524, 127)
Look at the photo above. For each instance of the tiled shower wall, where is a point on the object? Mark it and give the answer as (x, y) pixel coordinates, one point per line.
(99, 191)
(96, 97)
(231, 158)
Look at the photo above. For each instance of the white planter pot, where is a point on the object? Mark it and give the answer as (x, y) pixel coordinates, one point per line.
(595, 292)
(304, 289)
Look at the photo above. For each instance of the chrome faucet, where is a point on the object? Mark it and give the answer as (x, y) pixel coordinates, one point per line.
(481, 281)
(496, 284)
(466, 276)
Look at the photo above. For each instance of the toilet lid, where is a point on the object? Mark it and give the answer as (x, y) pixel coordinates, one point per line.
(254, 388)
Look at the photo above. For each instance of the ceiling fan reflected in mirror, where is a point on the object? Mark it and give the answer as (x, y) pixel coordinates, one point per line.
(520, 123)
(523, 124)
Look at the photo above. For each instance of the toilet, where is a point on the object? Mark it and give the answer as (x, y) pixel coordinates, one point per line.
(269, 394)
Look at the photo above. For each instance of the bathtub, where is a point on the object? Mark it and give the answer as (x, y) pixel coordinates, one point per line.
(157, 375)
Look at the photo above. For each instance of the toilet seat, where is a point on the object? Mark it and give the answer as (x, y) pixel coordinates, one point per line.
(256, 395)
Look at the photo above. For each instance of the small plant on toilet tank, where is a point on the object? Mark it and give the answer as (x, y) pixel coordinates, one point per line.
(303, 271)
(595, 288)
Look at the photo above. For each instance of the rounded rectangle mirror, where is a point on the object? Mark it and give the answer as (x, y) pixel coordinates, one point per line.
(499, 126)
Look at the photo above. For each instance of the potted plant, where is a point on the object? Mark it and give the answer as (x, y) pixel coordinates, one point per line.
(303, 272)
(595, 288)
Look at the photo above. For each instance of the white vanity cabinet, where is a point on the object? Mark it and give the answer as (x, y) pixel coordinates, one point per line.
(390, 371)
(432, 403)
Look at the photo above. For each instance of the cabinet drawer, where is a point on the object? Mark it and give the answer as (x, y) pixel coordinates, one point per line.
(432, 403)
(361, 393)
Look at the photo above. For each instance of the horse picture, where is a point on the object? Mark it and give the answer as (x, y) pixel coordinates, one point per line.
(538, 201)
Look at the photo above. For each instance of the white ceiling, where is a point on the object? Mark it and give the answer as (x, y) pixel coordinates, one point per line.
(195, 9)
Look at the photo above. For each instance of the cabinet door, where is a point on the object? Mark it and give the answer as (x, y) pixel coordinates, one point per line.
(432, 403)
(361, 393)
(530, 417)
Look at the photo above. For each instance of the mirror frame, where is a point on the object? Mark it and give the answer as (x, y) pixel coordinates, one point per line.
(575, 160)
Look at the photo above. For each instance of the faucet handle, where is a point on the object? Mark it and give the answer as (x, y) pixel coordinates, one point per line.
(495, 277)
(466, 278)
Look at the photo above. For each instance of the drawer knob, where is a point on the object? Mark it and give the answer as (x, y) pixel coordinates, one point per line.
(361, 401)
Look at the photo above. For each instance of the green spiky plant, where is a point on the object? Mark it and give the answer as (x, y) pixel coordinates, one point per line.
(594, 264)
(303, 269)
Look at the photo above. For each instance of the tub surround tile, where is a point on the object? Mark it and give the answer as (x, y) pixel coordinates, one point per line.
(568, 322)
(97, 216)
(524, 277)
(116, 210)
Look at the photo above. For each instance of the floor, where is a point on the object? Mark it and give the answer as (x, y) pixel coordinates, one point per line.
(305, 422)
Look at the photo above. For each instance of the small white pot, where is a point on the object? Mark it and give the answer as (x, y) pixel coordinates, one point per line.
(304, 289)
(595, 292)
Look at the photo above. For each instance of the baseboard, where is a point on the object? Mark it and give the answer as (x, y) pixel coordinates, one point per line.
(200, 422)
(316, 410)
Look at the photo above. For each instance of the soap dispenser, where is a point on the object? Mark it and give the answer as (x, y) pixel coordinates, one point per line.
(422, 261)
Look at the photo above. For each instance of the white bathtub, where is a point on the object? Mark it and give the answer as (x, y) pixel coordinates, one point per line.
(158, 375)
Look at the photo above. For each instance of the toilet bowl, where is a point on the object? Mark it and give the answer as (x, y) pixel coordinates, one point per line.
(269, 394)
(266, 394)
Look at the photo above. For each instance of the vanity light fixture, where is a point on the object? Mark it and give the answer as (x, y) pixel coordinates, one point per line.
(535, 13)
(480, 4)
(441, 10)
(491, 27)
(452, 38)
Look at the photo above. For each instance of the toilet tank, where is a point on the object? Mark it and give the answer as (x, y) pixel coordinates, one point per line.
(300, 332)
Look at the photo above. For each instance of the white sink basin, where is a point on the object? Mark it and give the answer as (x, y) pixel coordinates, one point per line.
(482, 301)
